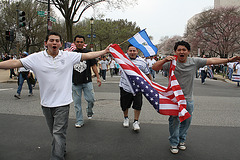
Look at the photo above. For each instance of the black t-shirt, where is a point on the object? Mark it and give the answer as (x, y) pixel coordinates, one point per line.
(82, 71)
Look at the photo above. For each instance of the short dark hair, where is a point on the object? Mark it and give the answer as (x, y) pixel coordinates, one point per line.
(79, 36)
(55, 34)
(182, 43)
(130, 45)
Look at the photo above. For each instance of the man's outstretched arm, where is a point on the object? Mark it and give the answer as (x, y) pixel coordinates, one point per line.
(9, 64)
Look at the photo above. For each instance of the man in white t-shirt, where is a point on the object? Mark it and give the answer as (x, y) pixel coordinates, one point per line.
(112, 66)
(104, 67)
(150, 63)
(53, 69)
(230, 69)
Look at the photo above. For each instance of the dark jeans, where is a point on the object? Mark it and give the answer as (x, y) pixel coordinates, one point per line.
(104, 71)
(12, 73)
(203, 76)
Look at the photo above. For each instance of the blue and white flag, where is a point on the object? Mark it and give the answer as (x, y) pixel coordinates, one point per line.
(142, 42)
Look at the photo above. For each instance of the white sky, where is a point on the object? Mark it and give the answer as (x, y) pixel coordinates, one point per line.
(160, 17)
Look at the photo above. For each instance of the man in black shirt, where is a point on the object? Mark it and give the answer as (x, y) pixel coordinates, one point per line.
(82, 81)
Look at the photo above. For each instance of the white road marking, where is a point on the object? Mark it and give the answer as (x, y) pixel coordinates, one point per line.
(5, 89)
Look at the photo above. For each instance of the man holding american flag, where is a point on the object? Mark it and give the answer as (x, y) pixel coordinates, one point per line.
(185, 73)
(126, 95)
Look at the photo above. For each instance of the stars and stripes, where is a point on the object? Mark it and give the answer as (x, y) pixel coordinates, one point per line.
(71, 46)
(236, 78)
(166, 100)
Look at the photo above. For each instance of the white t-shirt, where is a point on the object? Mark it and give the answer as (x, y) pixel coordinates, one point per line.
(54, 76)
(104, 64)
(230, 64)
(238, 69)
(151, 62)
(112, 64)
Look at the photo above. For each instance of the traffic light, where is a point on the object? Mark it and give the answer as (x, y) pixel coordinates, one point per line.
(7, 35)
(10, 36)
(21, 19)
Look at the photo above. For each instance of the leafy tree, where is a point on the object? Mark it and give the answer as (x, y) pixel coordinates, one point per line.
(167, 44)
(107, 31)
(30, 35)
(72, 10)
(217, 31)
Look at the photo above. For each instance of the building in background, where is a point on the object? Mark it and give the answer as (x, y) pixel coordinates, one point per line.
(226, 3)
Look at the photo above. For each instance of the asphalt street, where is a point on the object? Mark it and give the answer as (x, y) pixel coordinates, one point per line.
(214, 133)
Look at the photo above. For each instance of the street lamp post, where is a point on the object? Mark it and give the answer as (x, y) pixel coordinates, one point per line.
(91, 42)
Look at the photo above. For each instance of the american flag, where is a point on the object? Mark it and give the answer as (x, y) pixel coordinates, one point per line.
(209, 72)
(166, 100)
(71, 46)
(236, 78)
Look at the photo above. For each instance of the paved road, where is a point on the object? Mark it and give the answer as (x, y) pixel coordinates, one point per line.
(213, 134)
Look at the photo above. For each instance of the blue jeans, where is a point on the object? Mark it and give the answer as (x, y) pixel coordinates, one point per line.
(178, 131)
(152, 72)
(230, 73)
(87, 89)
(104, 71)
(21, 78)
(57, 121)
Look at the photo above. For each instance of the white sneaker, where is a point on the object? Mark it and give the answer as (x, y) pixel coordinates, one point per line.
(136, 126)
(90, 117)
(78, 125)
(174, 149)
(182, 146)
(126, 122)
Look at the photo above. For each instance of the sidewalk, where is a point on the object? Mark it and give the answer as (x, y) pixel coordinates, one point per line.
(4, 77)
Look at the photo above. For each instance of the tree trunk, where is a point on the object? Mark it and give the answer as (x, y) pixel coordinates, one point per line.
(27, 44)
(69, 26)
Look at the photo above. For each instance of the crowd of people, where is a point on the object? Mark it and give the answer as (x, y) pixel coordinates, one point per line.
(63, 76)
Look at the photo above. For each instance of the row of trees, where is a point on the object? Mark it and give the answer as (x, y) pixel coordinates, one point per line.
(215, 32)
(33, 35)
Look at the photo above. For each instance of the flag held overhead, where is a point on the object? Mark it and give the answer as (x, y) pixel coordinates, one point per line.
(143, 42)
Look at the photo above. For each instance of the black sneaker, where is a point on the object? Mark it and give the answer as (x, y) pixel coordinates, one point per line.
(17, 96)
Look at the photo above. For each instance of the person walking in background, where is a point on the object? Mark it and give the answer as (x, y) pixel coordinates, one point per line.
(23, 74)
(12, 72)
(127, 99)
(150, 63)
(112, 66)
(54, 68)
(203, 73)
(117, 66)
(230, 69)
(225, 70)
(104, 67)
(185, 72)
(82, 82)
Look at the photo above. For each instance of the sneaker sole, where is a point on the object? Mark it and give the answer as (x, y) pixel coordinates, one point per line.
(182, 149)
(174, 152)
(136, 130)
(79, 126)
